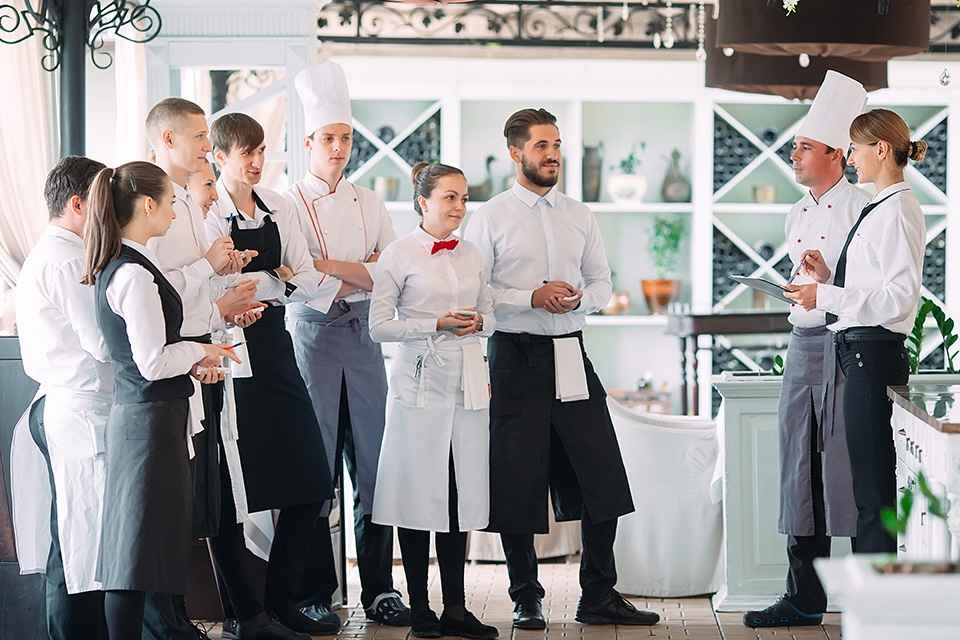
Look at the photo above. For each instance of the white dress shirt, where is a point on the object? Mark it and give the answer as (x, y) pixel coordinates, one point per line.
(823, 225)
(60, 341)
(884, 267)
(181, 253)
(527, 239)
(133, 295)
(293, 246)
(348, 224)
(422, 287)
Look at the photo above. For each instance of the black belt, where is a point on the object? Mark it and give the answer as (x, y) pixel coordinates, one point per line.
(534, 337)
(205, 338)
(867, 334)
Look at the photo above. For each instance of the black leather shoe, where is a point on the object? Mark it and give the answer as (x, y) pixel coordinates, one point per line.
(781, 613)
(466, 627)
(316, 619)
(389, 610)
(231, 629)
(528, 614)
(615, 610)
(424, 623)
(263, 627)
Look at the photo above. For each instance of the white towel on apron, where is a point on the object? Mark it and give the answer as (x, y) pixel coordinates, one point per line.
(476, 378)
(30, 489)
(570, 373)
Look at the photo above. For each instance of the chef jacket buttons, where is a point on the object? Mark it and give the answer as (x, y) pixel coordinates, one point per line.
(823, 237)
(829, 206)
(858, 356)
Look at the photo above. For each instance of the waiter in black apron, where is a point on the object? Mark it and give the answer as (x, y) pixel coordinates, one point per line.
(870, 308)
(816, 488)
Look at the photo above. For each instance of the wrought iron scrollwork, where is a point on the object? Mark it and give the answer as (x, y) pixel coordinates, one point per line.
(134, 21)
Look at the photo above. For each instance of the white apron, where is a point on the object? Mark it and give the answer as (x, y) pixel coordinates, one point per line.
(30, 492)
(426, 416)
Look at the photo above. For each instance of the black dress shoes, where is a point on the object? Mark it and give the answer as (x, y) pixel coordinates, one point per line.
(261, 627)
(614, 610)
(231, 629)
(781, 613)
(389, 610)
(316, 619)
(466, 626)
(424, 623)
(528, 614)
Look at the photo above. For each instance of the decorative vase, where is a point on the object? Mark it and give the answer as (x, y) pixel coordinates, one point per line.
(387, 187)
(592, 169)
(764, 193)
(625, 187)
(676, 186)
(659, 293)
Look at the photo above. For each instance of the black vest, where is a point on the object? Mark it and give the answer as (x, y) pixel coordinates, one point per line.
(129, 385)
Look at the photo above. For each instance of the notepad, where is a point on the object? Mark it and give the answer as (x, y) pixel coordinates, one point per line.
(764, 286)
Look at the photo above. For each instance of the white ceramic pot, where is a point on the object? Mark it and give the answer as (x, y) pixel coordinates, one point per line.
(627, 188)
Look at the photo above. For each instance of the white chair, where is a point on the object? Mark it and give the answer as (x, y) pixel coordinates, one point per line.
(670, 546)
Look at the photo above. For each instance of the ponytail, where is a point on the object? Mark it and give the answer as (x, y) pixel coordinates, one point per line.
(101, 233)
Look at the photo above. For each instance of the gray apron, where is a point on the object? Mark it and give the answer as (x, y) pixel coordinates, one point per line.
(335, 354)
(812, 398)
(147, 512)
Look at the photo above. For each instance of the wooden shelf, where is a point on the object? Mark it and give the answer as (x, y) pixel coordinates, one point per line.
(627, 321)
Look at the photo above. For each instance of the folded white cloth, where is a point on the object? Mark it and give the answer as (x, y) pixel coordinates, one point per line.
(571, 378)
(476, 378)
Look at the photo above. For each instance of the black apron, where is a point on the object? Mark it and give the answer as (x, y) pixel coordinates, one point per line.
(280, 443)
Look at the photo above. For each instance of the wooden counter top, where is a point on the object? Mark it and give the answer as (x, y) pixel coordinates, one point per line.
(937, 404)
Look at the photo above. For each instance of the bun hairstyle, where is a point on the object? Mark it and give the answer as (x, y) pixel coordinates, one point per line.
(425, 176)
(111, 204)
(882, 124)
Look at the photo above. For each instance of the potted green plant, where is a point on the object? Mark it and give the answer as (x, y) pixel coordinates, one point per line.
(627, 184)
(914, 343)
(666, 238)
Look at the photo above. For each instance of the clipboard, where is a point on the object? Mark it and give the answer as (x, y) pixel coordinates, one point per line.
(764, 286)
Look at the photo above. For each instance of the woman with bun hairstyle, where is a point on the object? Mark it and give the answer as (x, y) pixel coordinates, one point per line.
(433, 473)
(870, 308)
(145, 546)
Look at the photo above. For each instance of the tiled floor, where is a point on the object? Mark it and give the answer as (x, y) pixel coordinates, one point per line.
(681, 618)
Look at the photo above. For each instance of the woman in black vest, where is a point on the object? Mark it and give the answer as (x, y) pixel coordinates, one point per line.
(147, 504)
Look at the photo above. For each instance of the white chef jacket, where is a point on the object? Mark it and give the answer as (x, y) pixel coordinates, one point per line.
(293, 246)
(181, 254)
(347, 224)
(526, 239)
(884, 267)
(823, 225)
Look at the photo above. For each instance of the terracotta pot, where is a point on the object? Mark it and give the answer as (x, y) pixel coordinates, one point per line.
(659, 293)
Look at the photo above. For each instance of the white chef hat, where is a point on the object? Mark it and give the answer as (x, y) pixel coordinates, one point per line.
(839, 100)
(323, 92)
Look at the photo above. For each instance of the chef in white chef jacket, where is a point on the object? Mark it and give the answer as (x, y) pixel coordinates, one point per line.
(816, 486)
(346, 227)
(62, 349)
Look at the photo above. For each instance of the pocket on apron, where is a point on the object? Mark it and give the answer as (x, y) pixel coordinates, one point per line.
(406, 376)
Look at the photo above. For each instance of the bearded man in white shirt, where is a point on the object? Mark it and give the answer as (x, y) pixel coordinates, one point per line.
(550, 429)
(63, 350)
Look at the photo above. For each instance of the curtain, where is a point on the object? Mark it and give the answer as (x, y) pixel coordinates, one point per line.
(130, 76)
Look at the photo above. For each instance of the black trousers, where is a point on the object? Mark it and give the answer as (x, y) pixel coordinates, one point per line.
(451, 556)
(870, 367)
(80, 615)
(374, 541)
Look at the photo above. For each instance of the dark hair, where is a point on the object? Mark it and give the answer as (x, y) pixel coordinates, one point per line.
(425, 177)
(71, 177)
(843, 156)
(167, 110)
(517, 128)
(886, 125)
(112, 202)
(236, 130)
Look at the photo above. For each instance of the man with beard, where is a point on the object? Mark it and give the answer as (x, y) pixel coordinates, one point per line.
(549, 424)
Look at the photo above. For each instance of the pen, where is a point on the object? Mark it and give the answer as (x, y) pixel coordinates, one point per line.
(234, 346)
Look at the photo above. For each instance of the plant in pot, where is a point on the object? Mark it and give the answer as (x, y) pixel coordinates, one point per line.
(914, 342)
(896, 520)
(666, 237)
(628, 185)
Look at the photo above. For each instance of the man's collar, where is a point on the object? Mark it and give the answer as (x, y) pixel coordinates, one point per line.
(531, 199)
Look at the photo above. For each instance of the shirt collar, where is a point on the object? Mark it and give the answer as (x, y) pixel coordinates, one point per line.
(831, 194)
(426, 240)
(139, 248)
(227, 208)
(64, 234)
(531, 199)
(900, 186)
(318, 187)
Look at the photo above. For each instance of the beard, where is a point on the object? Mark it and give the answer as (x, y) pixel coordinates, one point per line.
(532, 173)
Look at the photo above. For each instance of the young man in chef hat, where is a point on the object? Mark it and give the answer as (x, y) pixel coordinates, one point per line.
(346, 226)
(816, 485)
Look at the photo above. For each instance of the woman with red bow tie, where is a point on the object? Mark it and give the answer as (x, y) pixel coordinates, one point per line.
(434, 464)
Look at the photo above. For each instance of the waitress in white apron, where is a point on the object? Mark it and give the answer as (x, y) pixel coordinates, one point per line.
(434, 464)
(870, 307)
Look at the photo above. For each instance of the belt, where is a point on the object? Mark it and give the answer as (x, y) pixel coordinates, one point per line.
(867, 334)
(205, 338)
(534, 337)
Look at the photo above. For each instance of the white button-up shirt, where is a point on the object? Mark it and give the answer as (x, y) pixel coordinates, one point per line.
(423, 286)
(60, 341)
(293, 246)
(527, 239)
(181, 253)
(823, 225)
(348, 224)
(133, 295)
(884, 267)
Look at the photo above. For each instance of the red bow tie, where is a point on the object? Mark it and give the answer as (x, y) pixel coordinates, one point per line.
(449, 245)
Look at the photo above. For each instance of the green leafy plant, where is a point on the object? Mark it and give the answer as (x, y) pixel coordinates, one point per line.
(896, 520)
(666, 236)
(631, 164)
(946, 326)
(777, 368)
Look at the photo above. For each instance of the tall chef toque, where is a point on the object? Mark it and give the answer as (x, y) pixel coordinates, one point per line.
(324, 94)
(839, 100)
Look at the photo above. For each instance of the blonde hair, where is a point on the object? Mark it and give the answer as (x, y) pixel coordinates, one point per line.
(883, 124)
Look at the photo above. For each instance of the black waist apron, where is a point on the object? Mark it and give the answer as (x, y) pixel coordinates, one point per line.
(280, 443)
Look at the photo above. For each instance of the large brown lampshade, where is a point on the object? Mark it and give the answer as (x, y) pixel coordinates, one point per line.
(844, 28)
(781, 75)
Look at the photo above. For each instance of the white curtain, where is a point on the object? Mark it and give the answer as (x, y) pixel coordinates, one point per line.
(130, 73)
(27, 143)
